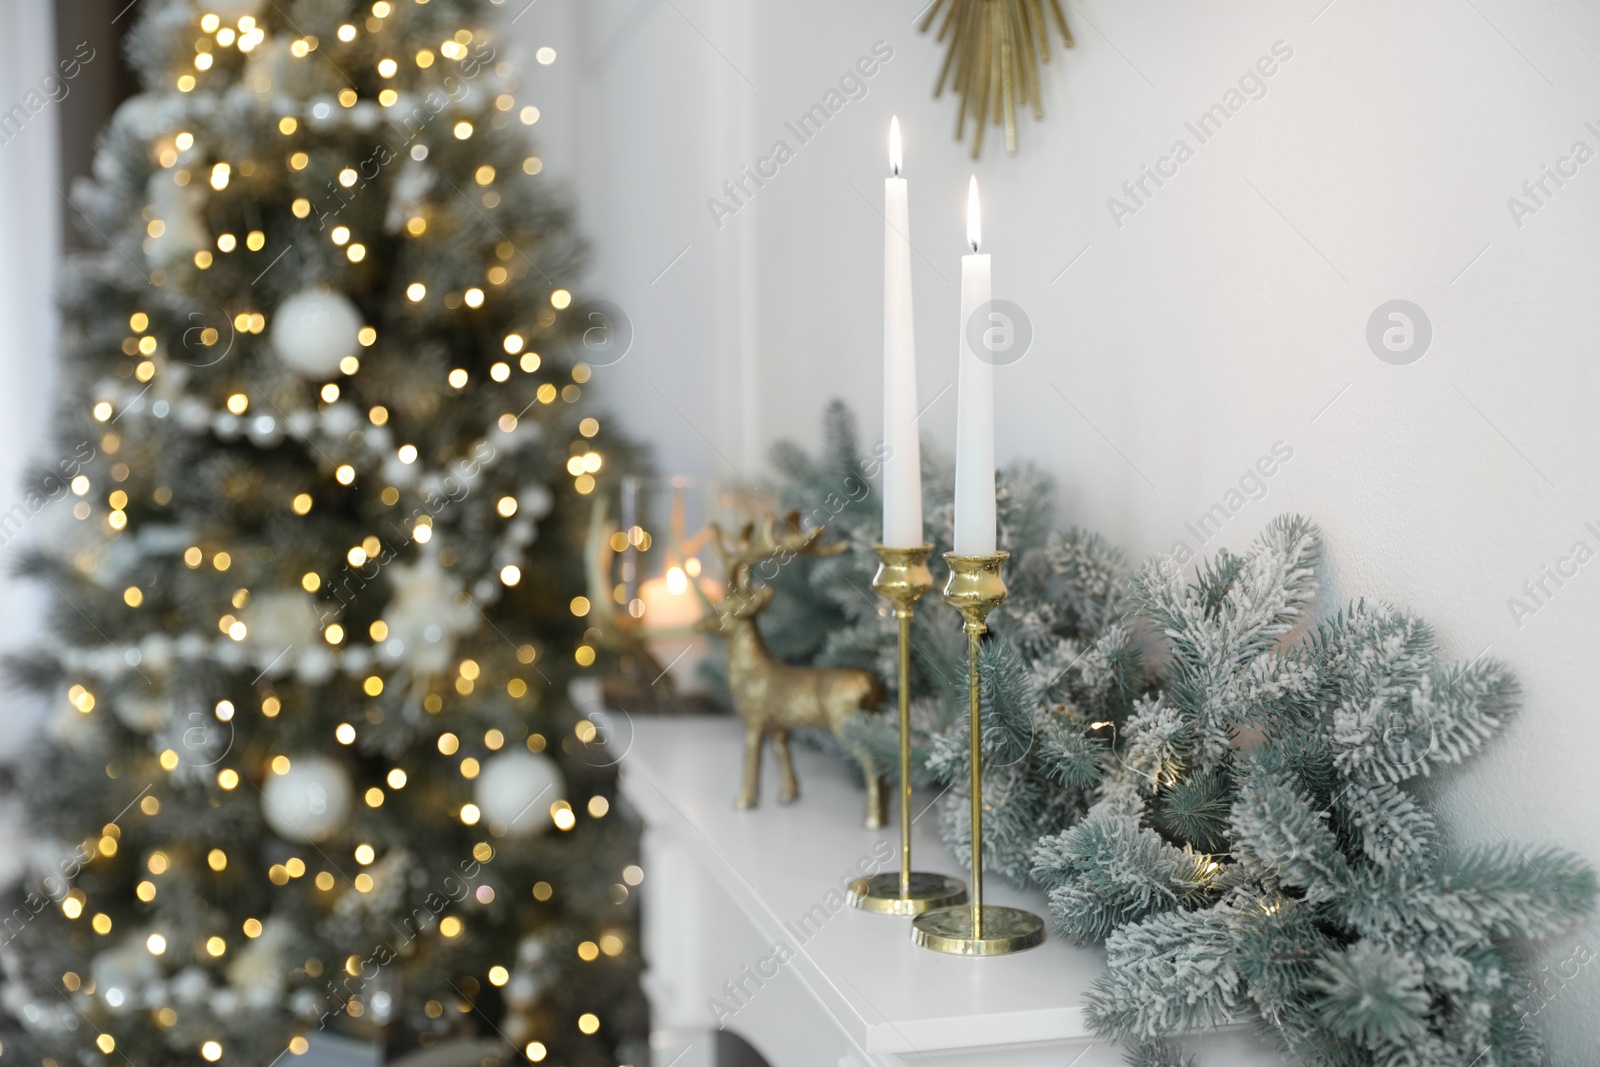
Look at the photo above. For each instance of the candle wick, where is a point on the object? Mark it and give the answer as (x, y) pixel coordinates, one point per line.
(974, 247)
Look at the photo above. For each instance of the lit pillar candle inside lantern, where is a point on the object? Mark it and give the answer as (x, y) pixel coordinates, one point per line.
(975, 517)
(902, 471)
(671, 610)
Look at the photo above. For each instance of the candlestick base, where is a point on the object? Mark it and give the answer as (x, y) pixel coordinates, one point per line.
(881, 893)
(1004, 931)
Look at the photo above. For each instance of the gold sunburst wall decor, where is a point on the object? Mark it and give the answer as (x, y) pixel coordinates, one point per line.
(993, 58)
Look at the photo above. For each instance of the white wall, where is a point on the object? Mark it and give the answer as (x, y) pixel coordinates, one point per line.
(1227, 314)
(30, 240)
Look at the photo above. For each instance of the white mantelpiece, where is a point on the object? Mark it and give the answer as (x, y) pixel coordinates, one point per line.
(745, 925)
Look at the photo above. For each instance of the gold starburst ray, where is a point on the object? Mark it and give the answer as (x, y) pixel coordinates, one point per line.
(992, 60)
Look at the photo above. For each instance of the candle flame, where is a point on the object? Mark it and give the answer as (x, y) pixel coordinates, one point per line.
(894, 144)
(677, 581)
(974, 215)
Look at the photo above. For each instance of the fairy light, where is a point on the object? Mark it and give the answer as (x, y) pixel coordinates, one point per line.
(560, 299)
(220, 173)
(416, 291)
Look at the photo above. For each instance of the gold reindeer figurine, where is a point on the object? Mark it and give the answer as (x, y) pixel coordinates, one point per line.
(773, 697)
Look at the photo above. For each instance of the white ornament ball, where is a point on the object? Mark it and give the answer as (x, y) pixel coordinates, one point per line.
(309, 802)
(314, 329)
(142, 712)
(275, 620)
(514, 792)
(120, 975)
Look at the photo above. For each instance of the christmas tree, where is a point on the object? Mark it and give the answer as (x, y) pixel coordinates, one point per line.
(1254, 851)
(312, 763)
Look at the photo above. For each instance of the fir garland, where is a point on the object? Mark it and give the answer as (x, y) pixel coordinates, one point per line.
(1293, 879)
(1237, 827)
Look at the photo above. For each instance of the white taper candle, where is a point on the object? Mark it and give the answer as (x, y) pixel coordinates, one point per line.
(975, 511)
(902, 471)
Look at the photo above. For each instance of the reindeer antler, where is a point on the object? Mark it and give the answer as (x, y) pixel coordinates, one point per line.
(752, 548)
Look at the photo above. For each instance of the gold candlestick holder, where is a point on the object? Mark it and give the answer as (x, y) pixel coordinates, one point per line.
(975, 588)
(902, 579)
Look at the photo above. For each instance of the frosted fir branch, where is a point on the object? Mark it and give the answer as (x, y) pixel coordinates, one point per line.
(1273, 591)
(1279, 829)
(1024, 506)
(1196, 809)
(1277, 943)
(1066, 752)
(1108, 871)
(1386, 822)
(1093, 578)
(1158, 740)
(1167, 974)
(1498, 892)
(1372, 994)
(1015, 806)
(1157, 1054)
(1398, 715)
(1447, 716)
